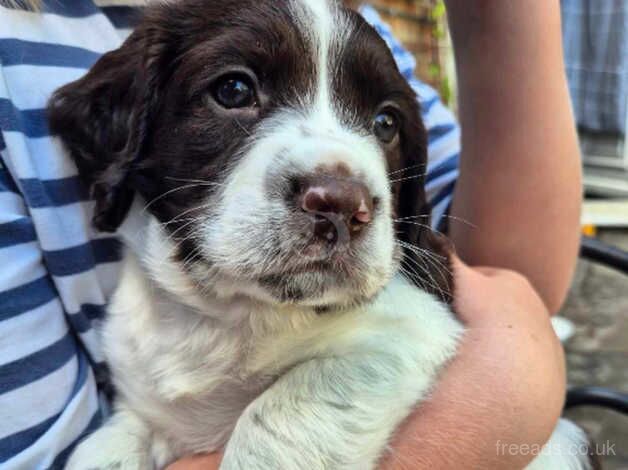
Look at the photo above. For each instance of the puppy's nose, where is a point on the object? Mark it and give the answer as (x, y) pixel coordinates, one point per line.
(333, 200)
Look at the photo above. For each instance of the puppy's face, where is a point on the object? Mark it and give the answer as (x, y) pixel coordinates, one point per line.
(275, 141)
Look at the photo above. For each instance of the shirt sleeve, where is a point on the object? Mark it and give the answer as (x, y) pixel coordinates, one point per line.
(56, 272)
(443, 131)
(48, 397)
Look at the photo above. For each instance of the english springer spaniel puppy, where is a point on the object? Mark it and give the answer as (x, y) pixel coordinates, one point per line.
(259, 158)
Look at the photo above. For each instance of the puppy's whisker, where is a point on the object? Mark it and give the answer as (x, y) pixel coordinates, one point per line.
(427, 216)
(439, 267)
(422, 251)
(182, 227)
(421, 281)
(191, 180)
(178, 217)
(429, 255)
(426, 260)
(418, 224)
(161, 196)
(237, 121)
(407, 168)
(432, 282)
(431, 259)
(423, 216)
(407, 178)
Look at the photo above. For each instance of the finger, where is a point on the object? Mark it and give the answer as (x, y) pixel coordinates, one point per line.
(466, 270)
(463, 273)
(197, 462)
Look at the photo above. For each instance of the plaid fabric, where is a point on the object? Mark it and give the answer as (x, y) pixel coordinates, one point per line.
(595, 37)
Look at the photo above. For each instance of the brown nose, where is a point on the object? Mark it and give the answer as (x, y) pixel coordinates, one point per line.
(333, 201)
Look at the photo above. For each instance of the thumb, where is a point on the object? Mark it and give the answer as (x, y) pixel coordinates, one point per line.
(465, 274)
(467, 271)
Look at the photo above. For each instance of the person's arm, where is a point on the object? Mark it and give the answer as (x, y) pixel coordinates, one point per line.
(506, 385)
(520, 186)
(520, 180)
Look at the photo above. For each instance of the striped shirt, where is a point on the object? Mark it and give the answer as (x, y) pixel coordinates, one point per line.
(56, 272)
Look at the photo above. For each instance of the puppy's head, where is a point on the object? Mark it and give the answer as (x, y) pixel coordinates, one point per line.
(274, 140)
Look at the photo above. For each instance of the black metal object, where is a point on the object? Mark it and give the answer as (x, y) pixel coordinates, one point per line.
(597, 396)
(599, 252)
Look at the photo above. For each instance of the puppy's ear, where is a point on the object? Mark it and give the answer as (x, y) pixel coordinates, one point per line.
(103, 119)
(426, 253)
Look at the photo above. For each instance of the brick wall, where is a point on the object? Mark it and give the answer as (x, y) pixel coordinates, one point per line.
(421, 26)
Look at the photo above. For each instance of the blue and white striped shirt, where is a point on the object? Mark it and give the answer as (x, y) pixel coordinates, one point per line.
(56, 272)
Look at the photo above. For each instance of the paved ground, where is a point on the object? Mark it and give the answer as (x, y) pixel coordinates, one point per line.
(598, 352)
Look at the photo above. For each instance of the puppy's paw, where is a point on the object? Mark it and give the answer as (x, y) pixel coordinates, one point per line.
(122, 444)
(100, 454)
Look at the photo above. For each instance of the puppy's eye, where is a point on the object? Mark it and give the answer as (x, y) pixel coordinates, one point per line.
(235, 91)
(386, 126)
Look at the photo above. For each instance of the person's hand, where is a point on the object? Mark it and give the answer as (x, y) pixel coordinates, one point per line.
(506, 386)
(197, 462)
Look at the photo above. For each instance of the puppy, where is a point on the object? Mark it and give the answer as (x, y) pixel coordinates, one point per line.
(263, 160)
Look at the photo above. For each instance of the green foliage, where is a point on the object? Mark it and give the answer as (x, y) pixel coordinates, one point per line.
(436, 72)
(438, 10)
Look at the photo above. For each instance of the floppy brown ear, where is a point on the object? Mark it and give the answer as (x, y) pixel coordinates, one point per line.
(426, 253)
(103, 119)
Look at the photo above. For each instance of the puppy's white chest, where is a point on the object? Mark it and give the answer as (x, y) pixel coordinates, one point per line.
(191, 376)
(181, 371)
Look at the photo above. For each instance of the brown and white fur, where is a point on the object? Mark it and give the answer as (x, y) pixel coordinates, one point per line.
(236, 325)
